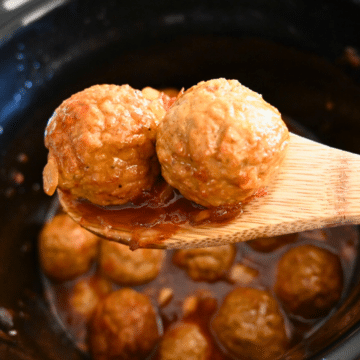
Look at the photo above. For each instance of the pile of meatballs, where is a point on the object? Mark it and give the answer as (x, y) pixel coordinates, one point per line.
(205, 303)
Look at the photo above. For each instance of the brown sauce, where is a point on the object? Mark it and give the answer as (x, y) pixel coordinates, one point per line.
(163, 209)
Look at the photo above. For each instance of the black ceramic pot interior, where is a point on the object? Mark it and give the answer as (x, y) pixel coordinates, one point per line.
(295, 53)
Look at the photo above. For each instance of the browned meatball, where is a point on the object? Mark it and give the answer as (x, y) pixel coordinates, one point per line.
(206, 264)
(250, 325)
(220, 142)
(66, 250)
(87, 293)
(309, 281)
(124, 326)
(101, 144)
(184, 342)
(128, 267)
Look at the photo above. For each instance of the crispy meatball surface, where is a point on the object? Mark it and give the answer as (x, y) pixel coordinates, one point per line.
(127, 267)
(206, 264)
(101, 144)
(309, 281)
(250, 325)
(220, 142)
(184, 342)
(66, 250)
(124, 326)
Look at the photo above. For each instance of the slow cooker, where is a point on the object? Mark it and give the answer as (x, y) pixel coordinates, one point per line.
(303, 56)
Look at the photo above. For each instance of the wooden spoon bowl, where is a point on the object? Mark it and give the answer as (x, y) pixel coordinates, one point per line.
(317, 187)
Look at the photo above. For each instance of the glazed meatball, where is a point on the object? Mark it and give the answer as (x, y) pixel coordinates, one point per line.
(101, 144)
(309, 281)
(220, 143)
(66, 250)
(127, 267)
(250, 325)
(87, 293)
(124, 326)
(184, 342)
(206, 264)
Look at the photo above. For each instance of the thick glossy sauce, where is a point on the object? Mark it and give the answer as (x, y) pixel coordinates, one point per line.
(162, 209)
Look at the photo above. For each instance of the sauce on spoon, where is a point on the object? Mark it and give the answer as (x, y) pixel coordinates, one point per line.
(155, 215)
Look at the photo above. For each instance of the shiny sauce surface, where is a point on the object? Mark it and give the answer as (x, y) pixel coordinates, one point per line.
(162, 209)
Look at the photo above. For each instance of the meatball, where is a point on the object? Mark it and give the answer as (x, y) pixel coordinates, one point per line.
(124, 326)
(206, 264)
(250, 325)
(87, 293)
(66, 250)
(184, 342)
(220, 142)
(128, 267)
(101, 144)
(309, 281)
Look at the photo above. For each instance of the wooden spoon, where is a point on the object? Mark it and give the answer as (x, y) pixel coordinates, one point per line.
(317, 186)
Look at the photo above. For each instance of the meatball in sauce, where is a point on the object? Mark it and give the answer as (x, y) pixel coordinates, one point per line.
(129, 267)
(124, 326)
(184, 342)
(66, 250)
(87, 293)
(309, 281)
(250, 325)
(206, 264)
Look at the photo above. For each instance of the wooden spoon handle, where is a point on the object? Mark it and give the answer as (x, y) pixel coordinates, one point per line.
(320, 184)
(317, 187)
